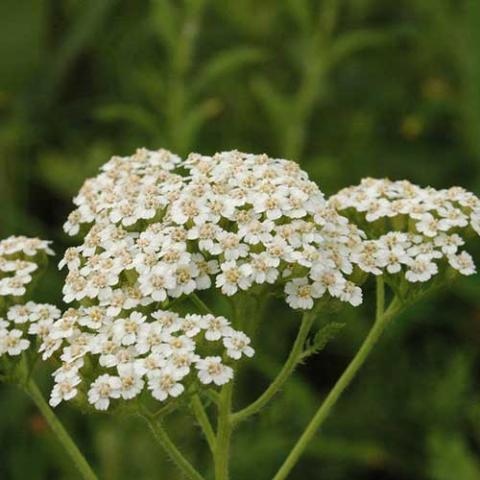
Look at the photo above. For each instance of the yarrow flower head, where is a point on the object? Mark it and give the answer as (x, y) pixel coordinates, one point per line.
(20, 261)
(415, 234)
(156, 227)
(162, 352)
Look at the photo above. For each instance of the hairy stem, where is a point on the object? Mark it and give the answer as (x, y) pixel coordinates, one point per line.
(224, 432)
(284, 373)
(63, 437)
(170, 448)
(322, 413)
(204, 422)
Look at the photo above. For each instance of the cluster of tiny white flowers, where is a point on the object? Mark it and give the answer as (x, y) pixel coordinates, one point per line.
(158, 227)
(160, 351)
(22, 321)
(414, 231)
(19, 257)
(18, 262)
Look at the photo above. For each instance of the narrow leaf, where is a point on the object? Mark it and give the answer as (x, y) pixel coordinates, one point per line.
(300, 12)
(226, 63)
(358, 40)
(273, 102)
(165, 21)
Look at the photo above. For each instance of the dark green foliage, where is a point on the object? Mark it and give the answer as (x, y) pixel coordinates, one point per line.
(348, 88)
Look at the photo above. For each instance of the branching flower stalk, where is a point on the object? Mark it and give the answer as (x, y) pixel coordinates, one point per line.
(283, 375)
(381, 320)
(170, 448)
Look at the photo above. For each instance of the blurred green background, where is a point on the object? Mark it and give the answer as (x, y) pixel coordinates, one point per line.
(348, 88)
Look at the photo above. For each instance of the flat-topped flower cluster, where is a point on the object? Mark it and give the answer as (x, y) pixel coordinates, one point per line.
(162, 352)
(158, 227)
(412, 230)
(20, 258)
(155, 228)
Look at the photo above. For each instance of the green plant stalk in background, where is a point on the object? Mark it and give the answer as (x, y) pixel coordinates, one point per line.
(58, 429)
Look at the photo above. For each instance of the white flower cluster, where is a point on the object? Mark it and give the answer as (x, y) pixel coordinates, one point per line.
(159, 351)
(22, 320)
(159, 227)
(18, 261)
(414, 230)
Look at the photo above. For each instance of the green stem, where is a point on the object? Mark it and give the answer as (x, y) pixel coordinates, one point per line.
(380, 302)
(204, 422)
(173, 452)
(64, 438)
(201, 304)
(162, 412)
(224, 432)
(284, 373)
(381, 321)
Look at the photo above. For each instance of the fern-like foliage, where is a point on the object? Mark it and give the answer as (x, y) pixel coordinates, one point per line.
(320, 340)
